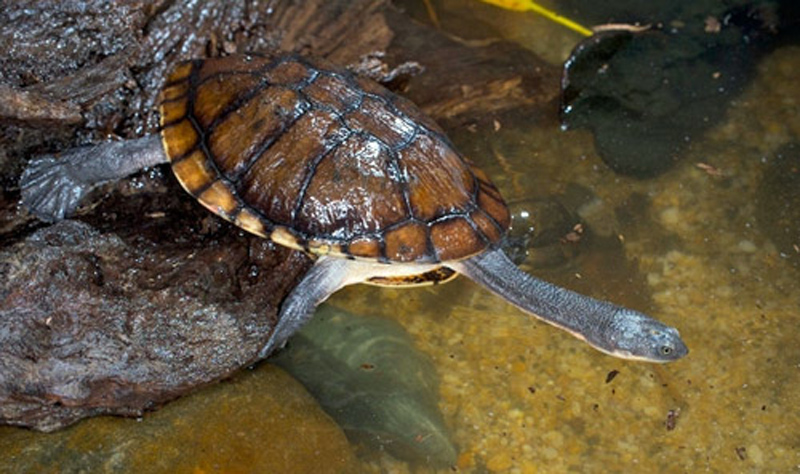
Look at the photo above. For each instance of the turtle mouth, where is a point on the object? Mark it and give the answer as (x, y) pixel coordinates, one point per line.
(628, 355)
(662, 356)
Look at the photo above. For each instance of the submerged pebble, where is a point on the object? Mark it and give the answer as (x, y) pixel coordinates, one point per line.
(543, 232)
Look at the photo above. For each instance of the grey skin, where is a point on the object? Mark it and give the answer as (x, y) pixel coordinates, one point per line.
(53, 187)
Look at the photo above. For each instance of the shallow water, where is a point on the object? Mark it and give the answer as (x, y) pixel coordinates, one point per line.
(522, 396)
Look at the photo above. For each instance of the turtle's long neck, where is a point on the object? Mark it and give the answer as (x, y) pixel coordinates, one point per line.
(584, 317)
(612, 329)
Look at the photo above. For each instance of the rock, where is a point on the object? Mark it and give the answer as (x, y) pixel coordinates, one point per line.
(43, 42)
(367, 375)
(648, 94)
(543, 232)
(247, 424)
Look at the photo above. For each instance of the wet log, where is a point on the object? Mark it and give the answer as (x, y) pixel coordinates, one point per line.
(91, 324)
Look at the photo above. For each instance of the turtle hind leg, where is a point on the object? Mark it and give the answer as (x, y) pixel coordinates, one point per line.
(52, 186)
(48, 191)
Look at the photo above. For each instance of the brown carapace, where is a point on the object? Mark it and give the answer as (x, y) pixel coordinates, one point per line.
(318, 159)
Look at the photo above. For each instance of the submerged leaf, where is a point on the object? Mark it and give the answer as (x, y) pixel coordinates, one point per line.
(367, 375)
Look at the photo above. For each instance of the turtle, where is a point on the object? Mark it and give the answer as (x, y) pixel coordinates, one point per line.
(320, 159)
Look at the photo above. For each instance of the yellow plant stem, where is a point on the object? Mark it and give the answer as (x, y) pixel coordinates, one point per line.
(528, 5)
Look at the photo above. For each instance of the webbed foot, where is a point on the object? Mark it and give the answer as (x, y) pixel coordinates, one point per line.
(49, 190)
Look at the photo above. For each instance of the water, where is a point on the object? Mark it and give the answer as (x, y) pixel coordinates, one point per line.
(524, 397)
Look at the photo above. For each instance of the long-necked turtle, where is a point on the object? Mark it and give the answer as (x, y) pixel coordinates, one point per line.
(321, 160)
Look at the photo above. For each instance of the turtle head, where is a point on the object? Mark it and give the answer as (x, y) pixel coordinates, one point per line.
(636, 336)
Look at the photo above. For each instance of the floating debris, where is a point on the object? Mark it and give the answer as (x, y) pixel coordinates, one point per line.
(672, 419)
(612, 375)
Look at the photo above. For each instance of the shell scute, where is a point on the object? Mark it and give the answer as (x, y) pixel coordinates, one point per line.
(245, 135)
(494, 206)
(275, 182)
(175, 91)
(410, 110)
(236, 65)
(173, 111)
(454, 237)
(219, 199)
(213, 99)
(195, 172)
(181, 140)
(374, 118)
(365, 247)
(334, 92)
(290, 73)
(439, 184)
(490, 227)
(179, 75)
(342, 191)
(251, 223)
(408, 243)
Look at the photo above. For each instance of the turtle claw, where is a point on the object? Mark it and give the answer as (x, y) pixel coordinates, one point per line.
(270, 347)
(49, 191)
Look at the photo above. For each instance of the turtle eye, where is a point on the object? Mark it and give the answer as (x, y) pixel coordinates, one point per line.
(666, 350)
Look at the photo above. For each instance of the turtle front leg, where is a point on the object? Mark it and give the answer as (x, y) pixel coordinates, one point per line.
(328, 275)
(52, 186)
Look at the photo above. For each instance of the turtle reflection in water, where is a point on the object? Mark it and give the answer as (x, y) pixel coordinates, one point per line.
(318, 159)
(368, 376)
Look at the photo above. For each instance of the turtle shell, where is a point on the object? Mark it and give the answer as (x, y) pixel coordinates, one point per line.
(316, 158)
